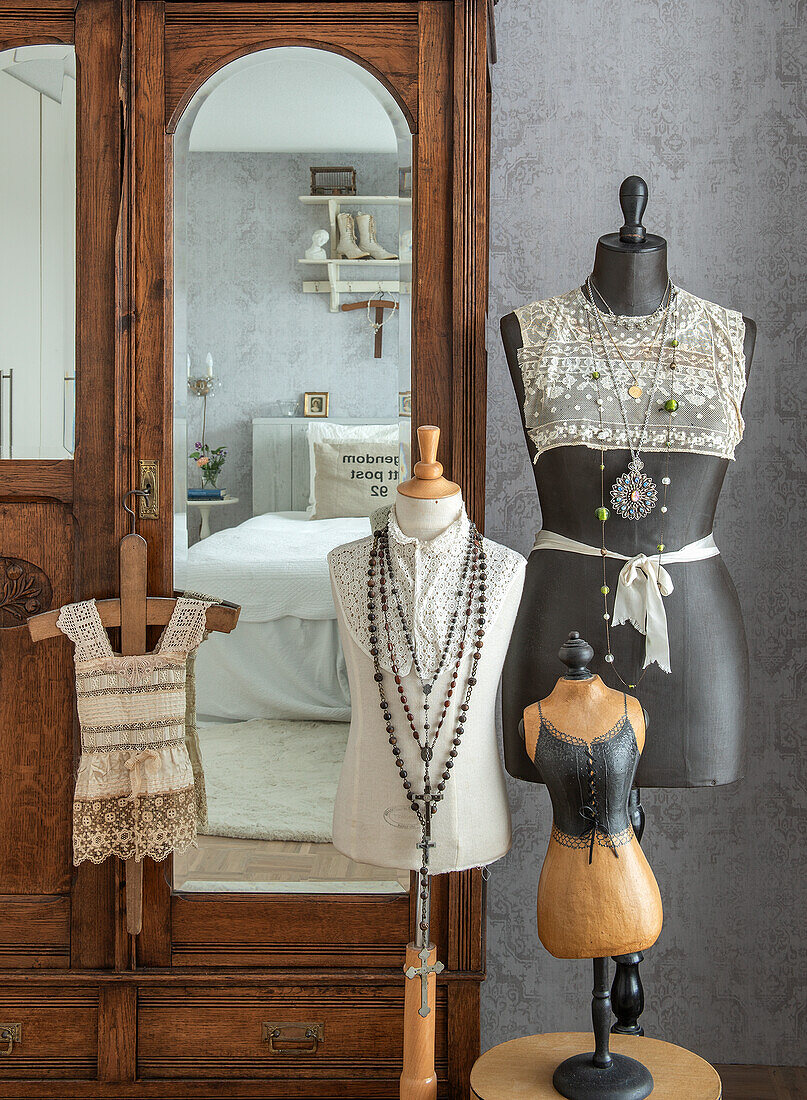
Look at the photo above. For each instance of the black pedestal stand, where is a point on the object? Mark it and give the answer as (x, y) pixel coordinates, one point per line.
(627, 993)
(602, 1075)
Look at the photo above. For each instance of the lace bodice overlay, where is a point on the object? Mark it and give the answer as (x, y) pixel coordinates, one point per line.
(560, 397)
(135, 787)
(426, 575)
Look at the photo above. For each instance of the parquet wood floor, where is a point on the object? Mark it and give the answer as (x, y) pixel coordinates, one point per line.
(763, 1082)
(230, 860)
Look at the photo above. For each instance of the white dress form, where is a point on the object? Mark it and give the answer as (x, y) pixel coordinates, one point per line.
(373, 822)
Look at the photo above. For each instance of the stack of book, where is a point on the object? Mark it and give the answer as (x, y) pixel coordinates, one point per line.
(208, 493)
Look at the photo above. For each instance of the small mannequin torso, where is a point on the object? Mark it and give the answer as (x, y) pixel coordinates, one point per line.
(607, 903)
(373, 822)
(698, 730)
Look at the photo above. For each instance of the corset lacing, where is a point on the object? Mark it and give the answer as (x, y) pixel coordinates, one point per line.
(597, 829)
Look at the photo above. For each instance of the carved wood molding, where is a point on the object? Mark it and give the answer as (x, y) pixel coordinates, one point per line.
(25, 590)
(286, 14)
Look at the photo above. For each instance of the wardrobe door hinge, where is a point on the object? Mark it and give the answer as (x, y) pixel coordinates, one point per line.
(149, 479)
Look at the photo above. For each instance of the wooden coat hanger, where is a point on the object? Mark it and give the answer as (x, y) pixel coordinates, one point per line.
(379, 305)
(133, 612)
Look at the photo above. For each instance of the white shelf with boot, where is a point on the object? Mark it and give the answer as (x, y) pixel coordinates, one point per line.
(336, 284)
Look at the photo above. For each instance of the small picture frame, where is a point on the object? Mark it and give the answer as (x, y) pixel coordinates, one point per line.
(405, 403)
(315, 404)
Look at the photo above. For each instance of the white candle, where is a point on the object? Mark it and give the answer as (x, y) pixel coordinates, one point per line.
(188, 359)
(209, 362)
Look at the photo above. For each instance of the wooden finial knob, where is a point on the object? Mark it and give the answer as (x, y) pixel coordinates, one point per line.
(428, 482)
(576, 653)
(428, 469)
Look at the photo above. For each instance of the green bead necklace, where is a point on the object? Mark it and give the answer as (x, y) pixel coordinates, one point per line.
(603, 514)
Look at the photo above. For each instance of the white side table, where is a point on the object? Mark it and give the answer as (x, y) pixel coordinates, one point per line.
(204, 507)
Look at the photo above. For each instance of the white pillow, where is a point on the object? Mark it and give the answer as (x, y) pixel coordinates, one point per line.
(321, 431)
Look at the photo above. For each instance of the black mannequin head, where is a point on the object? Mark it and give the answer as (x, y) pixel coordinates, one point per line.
(630, 267)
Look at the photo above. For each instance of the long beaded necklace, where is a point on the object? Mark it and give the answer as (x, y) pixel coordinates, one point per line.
(471, 603)
(603, 513)
(633, 494)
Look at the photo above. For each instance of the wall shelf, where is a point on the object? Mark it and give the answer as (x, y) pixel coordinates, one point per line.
(335, 285)
(356, 200)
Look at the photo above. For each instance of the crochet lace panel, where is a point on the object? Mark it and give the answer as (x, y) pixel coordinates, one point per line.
(560, 396)
(426, 575)
(153, 825)
(82, 625)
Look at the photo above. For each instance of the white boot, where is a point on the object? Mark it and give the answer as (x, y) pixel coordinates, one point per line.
(347, 246)
(365, 223)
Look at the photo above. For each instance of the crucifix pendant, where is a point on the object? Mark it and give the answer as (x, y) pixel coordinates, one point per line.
(423, 971)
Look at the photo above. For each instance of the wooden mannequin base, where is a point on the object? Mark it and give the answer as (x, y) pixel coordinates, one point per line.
(522, 1069)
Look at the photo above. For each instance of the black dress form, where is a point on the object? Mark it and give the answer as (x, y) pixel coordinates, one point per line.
(699, 710)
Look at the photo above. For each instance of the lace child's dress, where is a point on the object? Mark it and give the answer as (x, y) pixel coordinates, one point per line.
(135, 787)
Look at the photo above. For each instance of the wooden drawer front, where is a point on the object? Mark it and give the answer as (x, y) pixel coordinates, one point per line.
(186, 1033)
(58, 1034)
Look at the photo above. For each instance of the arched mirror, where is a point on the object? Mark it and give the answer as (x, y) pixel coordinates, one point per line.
(37, 260)
(292, 290)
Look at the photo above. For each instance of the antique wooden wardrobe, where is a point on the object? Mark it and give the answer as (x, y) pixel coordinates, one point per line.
(181, 1009)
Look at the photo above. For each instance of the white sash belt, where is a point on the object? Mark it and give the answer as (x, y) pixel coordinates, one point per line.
(643, 581)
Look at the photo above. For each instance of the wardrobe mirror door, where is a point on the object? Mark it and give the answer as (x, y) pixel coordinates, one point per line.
(37, 259)
(292, 288)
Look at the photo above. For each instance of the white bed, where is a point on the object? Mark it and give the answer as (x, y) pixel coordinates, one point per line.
(284, 659)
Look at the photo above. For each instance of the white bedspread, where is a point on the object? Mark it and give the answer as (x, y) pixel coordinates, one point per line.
(272, 565)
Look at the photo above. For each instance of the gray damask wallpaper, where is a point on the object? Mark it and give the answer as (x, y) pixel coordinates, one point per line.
(706, 100)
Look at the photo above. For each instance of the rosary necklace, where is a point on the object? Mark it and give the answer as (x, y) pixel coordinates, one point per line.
(633, 494)
(603, 514)
(471, 601)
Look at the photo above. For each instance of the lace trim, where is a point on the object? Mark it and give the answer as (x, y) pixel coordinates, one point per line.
(154, 826)
(193, 746)
(560, 396)
(605, 840)
(81, 622)
(426, 576)
(570, 739)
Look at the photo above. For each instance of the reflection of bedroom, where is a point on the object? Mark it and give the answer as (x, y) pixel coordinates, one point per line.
(263, 491)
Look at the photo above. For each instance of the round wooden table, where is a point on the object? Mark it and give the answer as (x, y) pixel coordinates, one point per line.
(522, 1069)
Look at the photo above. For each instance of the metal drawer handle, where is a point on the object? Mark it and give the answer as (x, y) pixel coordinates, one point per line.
(9, 1034)
(296, 1037)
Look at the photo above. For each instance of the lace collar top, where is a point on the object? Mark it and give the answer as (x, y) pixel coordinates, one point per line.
(426, 573)
(560, 397)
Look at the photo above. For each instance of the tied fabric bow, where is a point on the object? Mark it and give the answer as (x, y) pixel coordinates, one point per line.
(594, 827)
(643, 581)
(140, 764)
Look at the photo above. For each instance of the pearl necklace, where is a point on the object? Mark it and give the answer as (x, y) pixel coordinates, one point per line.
(471, 590)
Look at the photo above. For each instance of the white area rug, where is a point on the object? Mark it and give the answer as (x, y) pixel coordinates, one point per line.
(272, 779)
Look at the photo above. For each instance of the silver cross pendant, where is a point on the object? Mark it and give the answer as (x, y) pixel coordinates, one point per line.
(423, 972)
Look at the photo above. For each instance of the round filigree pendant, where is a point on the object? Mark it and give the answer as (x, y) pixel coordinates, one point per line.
(634, 494)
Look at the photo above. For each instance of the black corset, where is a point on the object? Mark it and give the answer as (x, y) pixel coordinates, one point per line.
(589, 783)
